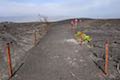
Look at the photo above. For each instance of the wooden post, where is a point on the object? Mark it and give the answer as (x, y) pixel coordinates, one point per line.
(0, 70)
(9, 60)
(81, 40)
(81, 37)
(72, 25)
(0, 75)
(35, 37)
(106, 57)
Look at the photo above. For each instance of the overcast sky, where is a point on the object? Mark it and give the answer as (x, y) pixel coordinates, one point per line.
(61, 8)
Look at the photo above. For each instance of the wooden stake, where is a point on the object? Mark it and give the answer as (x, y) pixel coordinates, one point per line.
(0, 76)
(35, 37)
(9, 60)
(106, 57)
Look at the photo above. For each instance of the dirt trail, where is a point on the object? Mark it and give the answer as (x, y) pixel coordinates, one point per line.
(58, 57)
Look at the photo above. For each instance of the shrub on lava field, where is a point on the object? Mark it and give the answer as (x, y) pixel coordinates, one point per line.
(82, 36)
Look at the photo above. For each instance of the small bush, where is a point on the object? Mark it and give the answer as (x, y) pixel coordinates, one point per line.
(83, 36)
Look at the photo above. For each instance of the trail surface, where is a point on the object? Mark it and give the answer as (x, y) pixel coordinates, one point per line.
(58, 57)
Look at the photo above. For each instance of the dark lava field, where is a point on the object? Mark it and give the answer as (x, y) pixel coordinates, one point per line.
(21, 38)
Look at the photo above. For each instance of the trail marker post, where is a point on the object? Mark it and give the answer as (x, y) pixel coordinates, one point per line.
(10, 71)
(81, 39)
(35, 37)
(106, 57)
(72, 26)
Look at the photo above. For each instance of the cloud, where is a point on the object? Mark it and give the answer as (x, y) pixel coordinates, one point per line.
(65, 8)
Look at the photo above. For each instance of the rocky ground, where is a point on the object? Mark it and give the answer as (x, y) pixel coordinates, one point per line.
(101, 31)
(21, 37)
(58, 56)
(60, 53)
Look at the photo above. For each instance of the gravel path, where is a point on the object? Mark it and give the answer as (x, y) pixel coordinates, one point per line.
(58, 57)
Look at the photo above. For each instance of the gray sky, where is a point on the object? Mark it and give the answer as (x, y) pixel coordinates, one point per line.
(59, 9)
